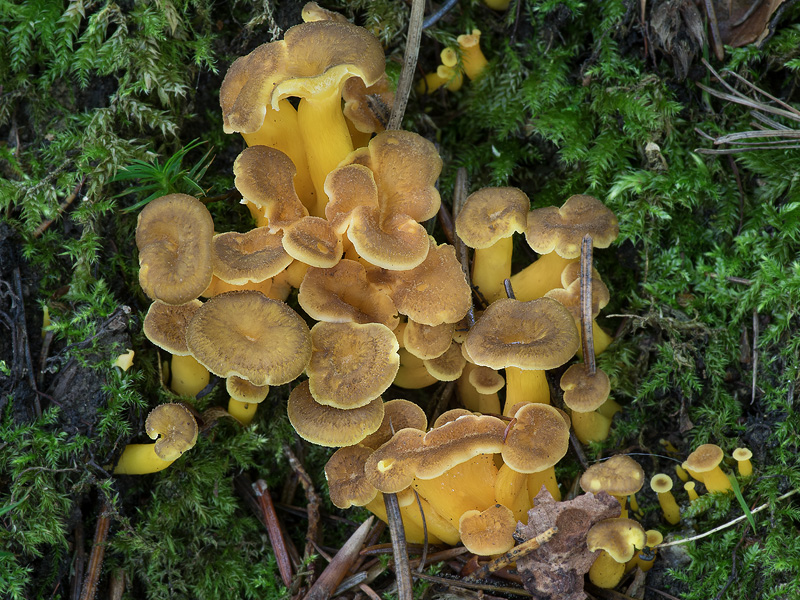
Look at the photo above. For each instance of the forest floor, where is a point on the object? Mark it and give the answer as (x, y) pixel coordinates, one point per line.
(625, 101)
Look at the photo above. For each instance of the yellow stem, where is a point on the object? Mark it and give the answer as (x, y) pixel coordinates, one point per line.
(188, 376)
(538, 278)
(242, 411)
(490, 267)
(525, 386)
(326, 140)
(140, 459)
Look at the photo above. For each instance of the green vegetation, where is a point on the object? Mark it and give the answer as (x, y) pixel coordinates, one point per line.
(709, 248)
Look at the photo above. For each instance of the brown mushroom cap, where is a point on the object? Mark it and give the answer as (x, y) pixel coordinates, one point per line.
(488, 532)
(240, 258)
(450, 415)
(458, 441)
(382, 213)
(486, 380)
(427, 341)
(391, 467)
(435, 292)
(177, 428)
(351, 364)
(704, 458)
(448, 366)
(619, 537)
(397, 414)
(312, 56)
(265, 177)
(368, 108)
(165, 325)
(173, 234)
(329, 426)
(538, 439)
(584, 392)
(741, 454)
(248, 335)
(538, 335)
(661, 483)
(491, 214)
(313, 241)
(562, 229)
(342, 293)
(620, 475)
(244, 391)
(347, 482)
(570, 294)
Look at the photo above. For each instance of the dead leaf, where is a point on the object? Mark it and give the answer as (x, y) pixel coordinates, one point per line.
(743, 22)
(678, 29)
(557, 569)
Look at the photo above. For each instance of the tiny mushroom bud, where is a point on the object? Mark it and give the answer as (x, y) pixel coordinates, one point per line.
(742, 457)
(689, 487)
(661, 484)
(177, 428)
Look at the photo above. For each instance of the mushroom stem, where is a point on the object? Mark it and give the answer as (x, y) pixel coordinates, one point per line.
(188, 375)
(525, 386)
(491, 266)
(541, 276)
(326, 139)
(140, 459)
(716, 481)
(606, 572)
(471, 54)
(689, 487)
(242, 411)
(280, 130)
(472, 399)
(546, 478)
(412, 374)
(511, 490)
(590, 426)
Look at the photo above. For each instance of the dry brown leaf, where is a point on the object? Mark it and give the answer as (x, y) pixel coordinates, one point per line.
(557, 569)
(678, 30)
(743, 22)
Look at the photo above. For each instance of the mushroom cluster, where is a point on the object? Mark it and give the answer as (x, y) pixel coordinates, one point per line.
(450, 74)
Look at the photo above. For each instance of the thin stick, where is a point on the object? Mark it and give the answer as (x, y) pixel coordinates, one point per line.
(443, 9)
(509, 290)
(755, 357)
(474, 586)
(401, 567)
(587, 336)
(335, 572)
(98, 553)
(424, 556)
(22, 336)
(274, 531)
(61, 208)
(459, 198)
(512, 555)
(715, 37)
(313, 500)
(80, 562)
(726, 525)
(409, 64)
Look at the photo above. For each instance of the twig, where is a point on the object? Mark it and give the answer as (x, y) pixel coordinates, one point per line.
(401, 567)
(726, 525)
(715, 38)
(313, 500)
(474, 586)
(62, 207)
(98, 553)
(333, 574)
(587, 335)
(665, 594)
(755, 357)
(274, 531)
(576, 447)
(80, 562)
(409, 64)
(459, 198)
(512, 555)
(443, 10)
(424, 556)
(509, 290)
(22, 336)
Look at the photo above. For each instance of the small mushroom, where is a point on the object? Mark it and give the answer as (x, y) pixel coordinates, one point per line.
(619, 476)
(175, 430)
(742, 457)
(617, 539)
(661, 484)
(703, 465)
(488, 532)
